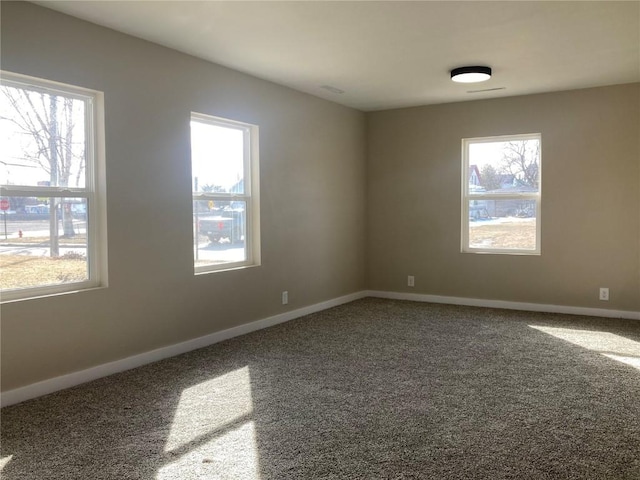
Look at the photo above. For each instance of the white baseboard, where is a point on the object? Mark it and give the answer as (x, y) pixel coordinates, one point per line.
(531, 307)
(18, 395)
(45, 387)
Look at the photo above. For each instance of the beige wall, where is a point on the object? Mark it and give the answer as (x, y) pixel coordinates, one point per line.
(590, 199)
(317, 196)
(312, 192)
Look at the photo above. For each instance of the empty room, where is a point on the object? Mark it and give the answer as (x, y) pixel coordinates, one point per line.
(320, 240)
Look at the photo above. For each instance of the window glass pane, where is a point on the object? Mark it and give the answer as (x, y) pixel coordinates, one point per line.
(502, 224)
(219, 232)
(504, 167)
(43, 138)
(217, 158)
(44, 242)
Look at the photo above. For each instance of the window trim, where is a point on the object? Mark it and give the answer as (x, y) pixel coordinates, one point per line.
(251, 195)
(94, 190)
(467, 196)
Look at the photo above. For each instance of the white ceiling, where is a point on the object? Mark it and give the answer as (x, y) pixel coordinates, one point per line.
(393, 54)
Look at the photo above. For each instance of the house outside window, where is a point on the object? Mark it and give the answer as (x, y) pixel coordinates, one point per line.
(225, 184)
(52, 221)
(501, 194)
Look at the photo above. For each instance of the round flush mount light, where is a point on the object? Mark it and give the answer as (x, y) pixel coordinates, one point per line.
(470, 74)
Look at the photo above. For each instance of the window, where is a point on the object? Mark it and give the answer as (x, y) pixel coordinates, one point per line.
(224, 167)
(501, 194)
(51, 169)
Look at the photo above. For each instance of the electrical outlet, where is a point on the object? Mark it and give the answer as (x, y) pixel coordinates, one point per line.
(411, 281)
(285, 297)
(604, 294)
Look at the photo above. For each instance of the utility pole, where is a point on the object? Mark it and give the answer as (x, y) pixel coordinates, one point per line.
(197, 226)
(53, 162)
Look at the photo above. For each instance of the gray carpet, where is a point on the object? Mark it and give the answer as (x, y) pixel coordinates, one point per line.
(375, 389)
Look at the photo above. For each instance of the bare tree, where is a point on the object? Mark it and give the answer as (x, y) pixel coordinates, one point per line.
(489, 177)
(48, 121)
(522, 159)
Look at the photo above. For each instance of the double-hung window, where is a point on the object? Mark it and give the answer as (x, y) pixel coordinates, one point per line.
(51, 188)
(225, 181)
(501, 194)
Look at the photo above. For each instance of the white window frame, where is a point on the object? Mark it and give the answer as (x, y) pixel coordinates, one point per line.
(468, 196)
(94, 190)
(251, 194)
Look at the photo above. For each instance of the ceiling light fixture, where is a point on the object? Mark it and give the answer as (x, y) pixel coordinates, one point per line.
(470, 74)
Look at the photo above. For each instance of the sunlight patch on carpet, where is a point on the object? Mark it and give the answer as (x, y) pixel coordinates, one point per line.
(608, 344)
(4, 461)
(210, 409)
(633, 361)
(231, 456)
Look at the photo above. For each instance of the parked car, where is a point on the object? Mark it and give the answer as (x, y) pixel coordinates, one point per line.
(225, 228)
(37, 209)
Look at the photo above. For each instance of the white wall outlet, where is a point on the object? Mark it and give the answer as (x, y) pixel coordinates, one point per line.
(604, 294)
(285, 297)
(411, 281)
